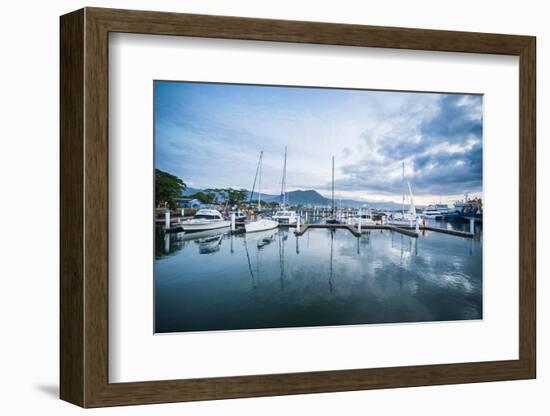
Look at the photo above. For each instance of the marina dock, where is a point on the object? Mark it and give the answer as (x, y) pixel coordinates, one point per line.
(410, 232)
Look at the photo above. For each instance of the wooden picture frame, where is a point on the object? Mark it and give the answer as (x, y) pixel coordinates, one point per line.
(84, 207)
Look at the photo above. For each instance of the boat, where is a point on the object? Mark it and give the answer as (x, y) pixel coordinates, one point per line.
(284, 215)
(205, 219)
(240, 216)
(364, 217)
(404, 218)
(332, 219)
(466, 209)
(443, 208)
(260, 224)
(430, 213)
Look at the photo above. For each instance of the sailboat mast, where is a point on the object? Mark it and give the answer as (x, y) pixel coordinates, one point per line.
(332, 210)
(283, 184)
(260, 182)
(255, 179)
(403, 181)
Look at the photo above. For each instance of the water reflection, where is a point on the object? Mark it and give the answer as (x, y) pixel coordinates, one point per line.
(218, 281)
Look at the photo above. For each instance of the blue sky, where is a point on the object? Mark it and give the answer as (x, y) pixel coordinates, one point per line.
(210, 135)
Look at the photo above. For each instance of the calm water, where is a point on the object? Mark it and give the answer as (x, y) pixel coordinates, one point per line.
(215, 281)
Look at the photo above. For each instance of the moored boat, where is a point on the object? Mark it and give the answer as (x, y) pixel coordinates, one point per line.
(405, 218)
(261, 224)
(285, 217)
(205, 219)
(430, 213)
(364, 217)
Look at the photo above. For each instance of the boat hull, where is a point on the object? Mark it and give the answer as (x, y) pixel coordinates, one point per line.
(402, 223)
(285, 220)
(196, 226)
(364, 222)
(260, 225)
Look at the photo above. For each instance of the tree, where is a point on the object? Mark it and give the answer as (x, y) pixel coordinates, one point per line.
(236, 196)
(168, 188)
(207, 198)
(231, 196)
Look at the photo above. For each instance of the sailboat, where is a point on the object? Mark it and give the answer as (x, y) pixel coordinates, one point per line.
(405, 218)
(261, 224)
(332, 219)
(284, 215)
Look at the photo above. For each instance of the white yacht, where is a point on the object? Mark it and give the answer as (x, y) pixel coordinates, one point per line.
(443, 208)
(430, 213)
(364, 217)
(285, 216)
(205, 219)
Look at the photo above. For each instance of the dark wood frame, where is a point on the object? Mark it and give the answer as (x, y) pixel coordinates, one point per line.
(84, 207)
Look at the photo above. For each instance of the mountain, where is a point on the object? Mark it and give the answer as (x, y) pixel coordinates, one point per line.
(308, 197)
(313, 198)
(190, 191)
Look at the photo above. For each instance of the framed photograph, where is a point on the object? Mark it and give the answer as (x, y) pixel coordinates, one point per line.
(255, 207)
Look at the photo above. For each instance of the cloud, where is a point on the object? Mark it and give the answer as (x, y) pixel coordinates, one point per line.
(441, 145)
(211, 135)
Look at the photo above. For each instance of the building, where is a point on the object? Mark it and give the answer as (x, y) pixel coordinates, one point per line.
(189, 203)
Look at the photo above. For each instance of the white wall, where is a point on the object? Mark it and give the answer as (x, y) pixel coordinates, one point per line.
(29, 177)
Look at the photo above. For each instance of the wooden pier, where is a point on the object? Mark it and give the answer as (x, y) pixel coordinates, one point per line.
(305, 227)
(410, 232)
(446, 231)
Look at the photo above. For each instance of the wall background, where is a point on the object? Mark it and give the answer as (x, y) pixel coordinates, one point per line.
(29, 160)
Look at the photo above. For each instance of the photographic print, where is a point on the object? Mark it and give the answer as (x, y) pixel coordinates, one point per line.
(296, 206)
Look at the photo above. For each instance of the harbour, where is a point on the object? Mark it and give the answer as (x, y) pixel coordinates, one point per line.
(319, 220)
(326, 276)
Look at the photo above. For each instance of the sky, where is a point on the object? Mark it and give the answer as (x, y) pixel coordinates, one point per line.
(211, 135)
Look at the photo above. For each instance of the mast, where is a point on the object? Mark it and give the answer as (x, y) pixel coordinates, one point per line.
(412, 208)
(332, 209)
(403, 180)
(260, 181)
(283, 184)
(255, 178)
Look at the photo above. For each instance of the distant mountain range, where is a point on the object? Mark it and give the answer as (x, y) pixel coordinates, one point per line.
(314, 198)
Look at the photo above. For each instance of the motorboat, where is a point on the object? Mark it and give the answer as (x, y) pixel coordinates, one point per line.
(431, 213)
(205, 219)
(240, 216)
(364, 218)
(285, 217)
